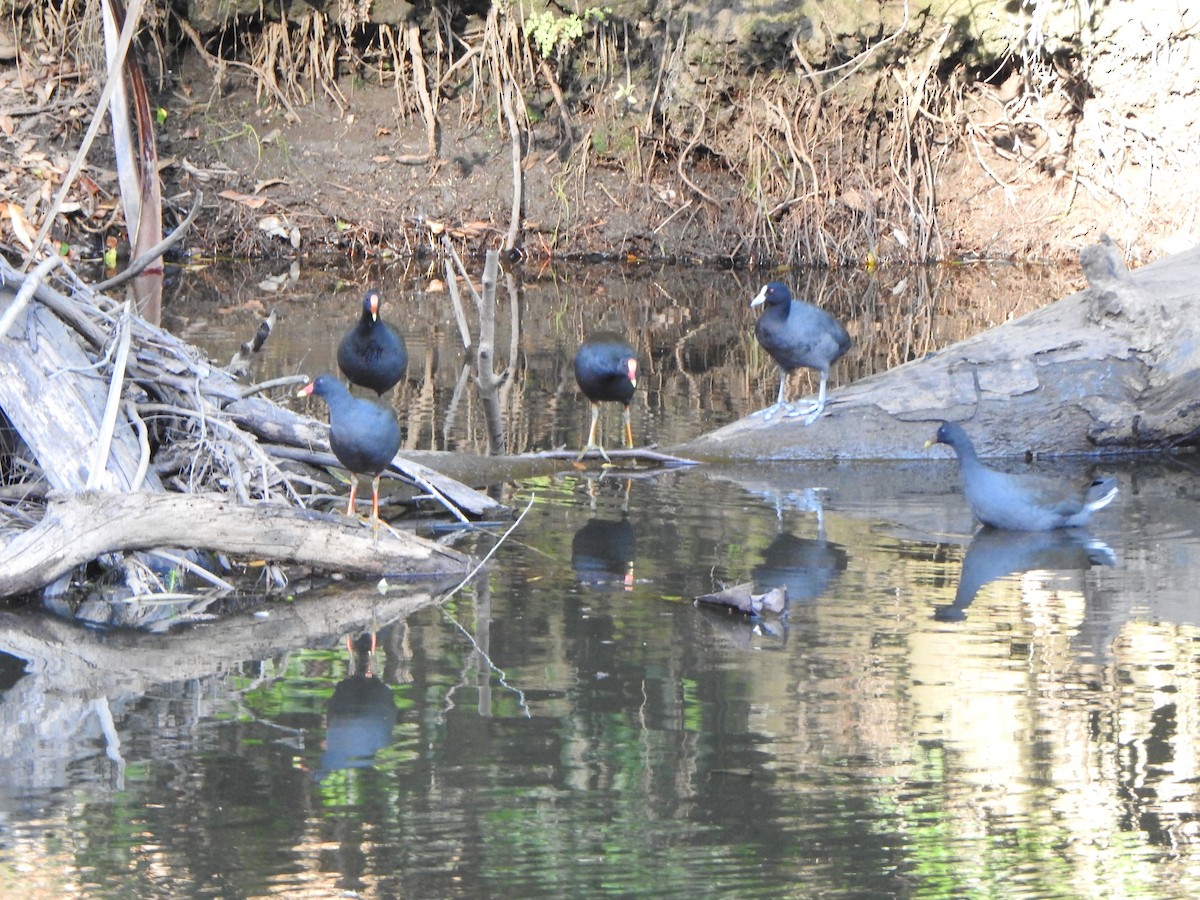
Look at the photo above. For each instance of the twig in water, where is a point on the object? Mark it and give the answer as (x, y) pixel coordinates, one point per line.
(500, 676)
(196, 569)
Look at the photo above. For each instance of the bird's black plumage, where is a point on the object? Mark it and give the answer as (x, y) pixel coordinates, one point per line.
(363, 435)
(606, 371)
(372, 353)
(797, 335)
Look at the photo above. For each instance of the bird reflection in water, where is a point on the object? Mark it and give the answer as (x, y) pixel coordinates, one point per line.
(995, 553)
(804, 567)
(360, 715)
(602, 554)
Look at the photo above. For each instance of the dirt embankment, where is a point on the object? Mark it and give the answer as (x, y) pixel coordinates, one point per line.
(822, 135)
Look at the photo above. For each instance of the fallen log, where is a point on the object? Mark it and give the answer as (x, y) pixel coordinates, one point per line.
(1111, 369)
(80, 527)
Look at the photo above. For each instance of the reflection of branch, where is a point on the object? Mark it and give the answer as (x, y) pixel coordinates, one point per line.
(500, 675)
(486, 378)
(455, 401)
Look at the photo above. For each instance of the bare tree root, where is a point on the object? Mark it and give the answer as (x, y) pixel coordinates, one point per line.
(420, 81)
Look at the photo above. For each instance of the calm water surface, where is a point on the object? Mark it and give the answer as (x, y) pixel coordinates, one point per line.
(939, 714)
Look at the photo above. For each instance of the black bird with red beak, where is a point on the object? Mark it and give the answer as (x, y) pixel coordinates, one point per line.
(606, 369)
(372, 354)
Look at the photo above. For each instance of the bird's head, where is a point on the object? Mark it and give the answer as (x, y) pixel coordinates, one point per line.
(773, 293)
(371, 305)
(318, 386)
(950, 434)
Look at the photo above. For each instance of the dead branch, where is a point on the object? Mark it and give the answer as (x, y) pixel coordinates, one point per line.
(80, 527)
(514, 136)
(636, 454)
(139, 265)
(110, 86)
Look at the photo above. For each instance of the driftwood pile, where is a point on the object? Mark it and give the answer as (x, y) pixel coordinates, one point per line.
(115, 436)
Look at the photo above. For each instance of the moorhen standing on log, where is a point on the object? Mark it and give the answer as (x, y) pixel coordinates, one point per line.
(363, 435)
(372, 354)
(1021, 502)
(606, 369)
(798, 335)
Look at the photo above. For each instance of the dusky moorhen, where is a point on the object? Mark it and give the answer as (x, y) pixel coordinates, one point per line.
(797, 335)
(606, 370)
(372, 353)
(1021, 502)
(363, 435)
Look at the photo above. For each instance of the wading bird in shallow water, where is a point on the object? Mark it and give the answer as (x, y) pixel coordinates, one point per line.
(606, 370)
(363, 435)
(797, 335)
(1021, 502)
(372, 354)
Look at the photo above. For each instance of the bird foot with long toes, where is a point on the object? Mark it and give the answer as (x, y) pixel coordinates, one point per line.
(801, 409)
(597, 447)
(814, 415)
(770, 412)
(809, 411)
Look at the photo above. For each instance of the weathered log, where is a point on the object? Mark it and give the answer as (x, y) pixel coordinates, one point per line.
(55, 398)
(1110, 369)
(79, 527)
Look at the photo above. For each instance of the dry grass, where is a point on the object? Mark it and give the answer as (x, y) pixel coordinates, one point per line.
(821, 164)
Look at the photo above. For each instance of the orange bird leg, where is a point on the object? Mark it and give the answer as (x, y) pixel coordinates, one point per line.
(353, 493)
(628, 428)
(375, 502)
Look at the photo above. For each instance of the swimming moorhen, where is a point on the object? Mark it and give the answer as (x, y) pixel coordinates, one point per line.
(606, 369)
(797, 335)
(372, 354)
(1021, 502)
(363, 435)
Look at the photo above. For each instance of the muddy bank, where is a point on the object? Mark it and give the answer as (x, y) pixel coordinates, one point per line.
(816, 135)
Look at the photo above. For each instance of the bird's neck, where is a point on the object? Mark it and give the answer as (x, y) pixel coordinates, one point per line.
(966, 456)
